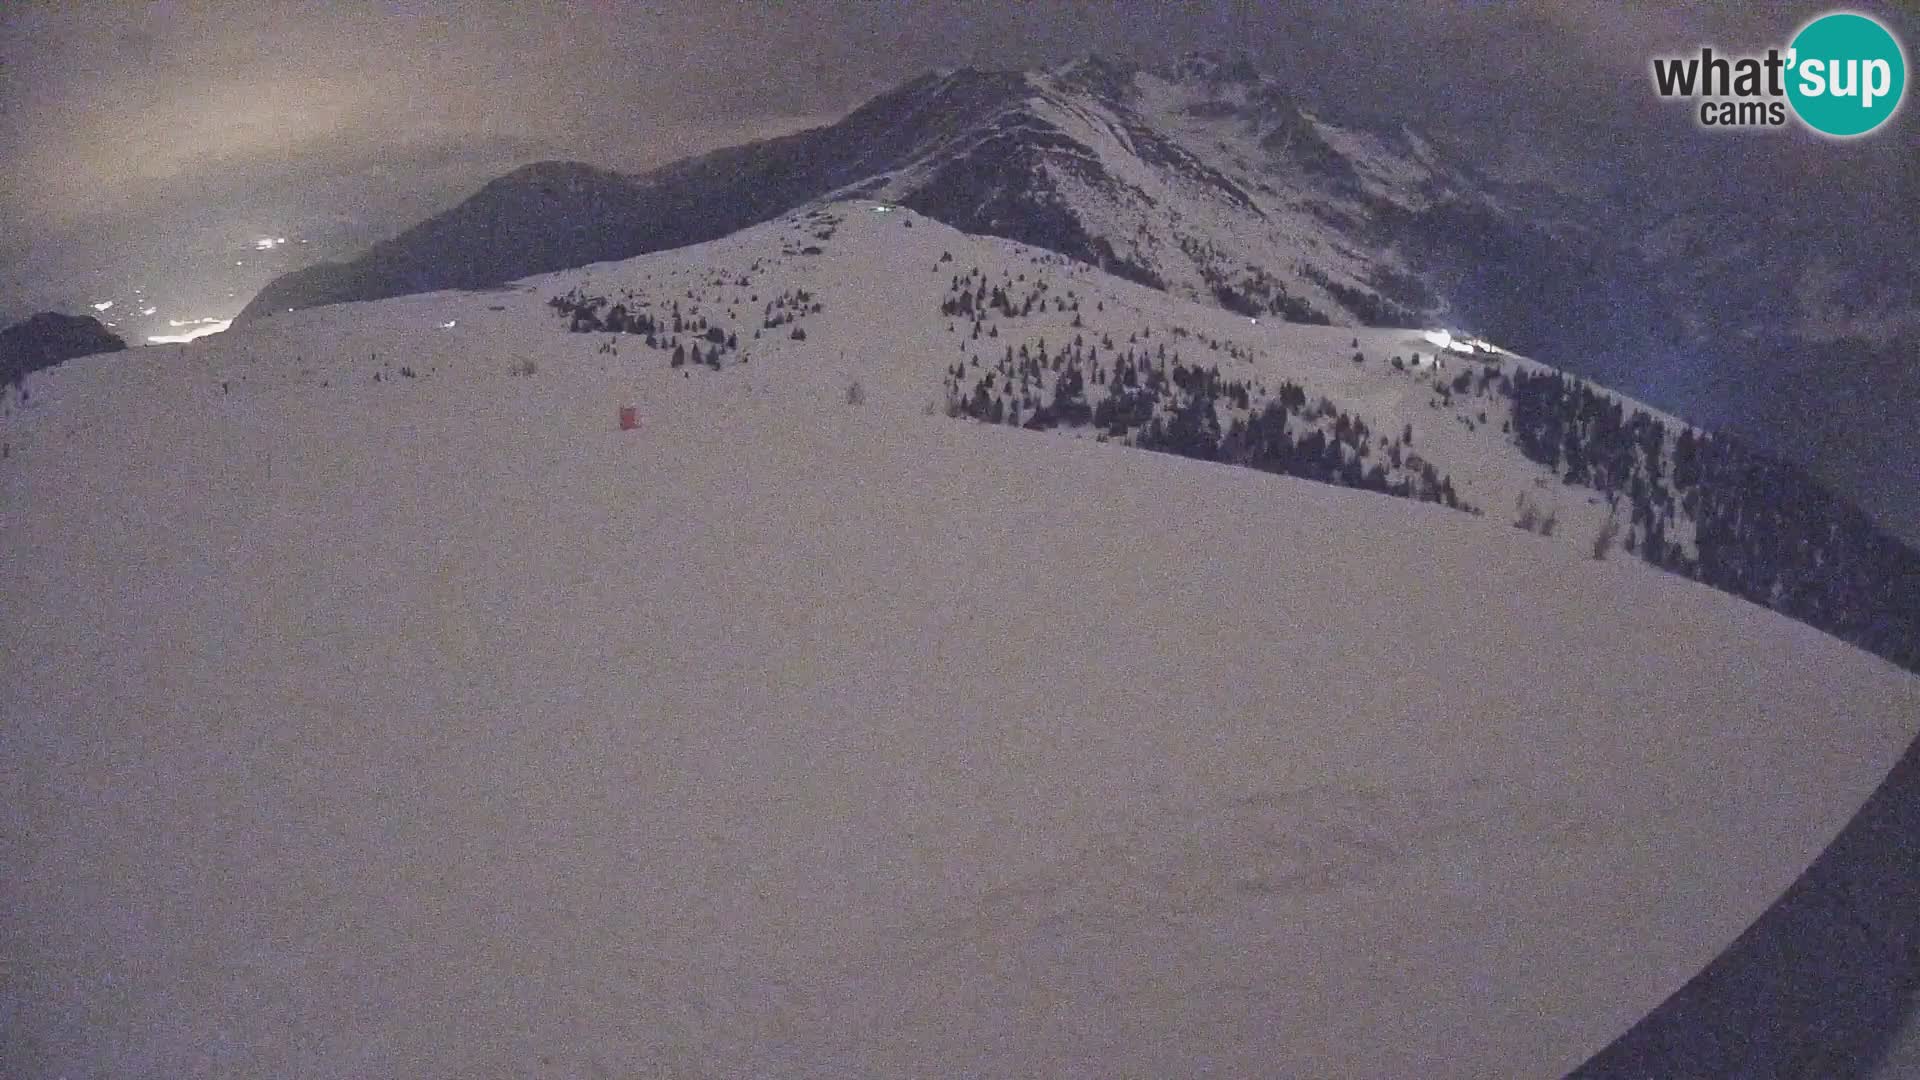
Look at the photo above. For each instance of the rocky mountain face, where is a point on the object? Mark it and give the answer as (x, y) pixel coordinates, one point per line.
(48, 338)
(1203, 179)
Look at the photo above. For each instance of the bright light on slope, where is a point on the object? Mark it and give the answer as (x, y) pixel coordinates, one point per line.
(1464, 345)
(149, 310)
(205, 327)
(103, 305)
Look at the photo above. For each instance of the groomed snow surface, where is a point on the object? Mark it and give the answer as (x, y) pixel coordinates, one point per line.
(436, 727)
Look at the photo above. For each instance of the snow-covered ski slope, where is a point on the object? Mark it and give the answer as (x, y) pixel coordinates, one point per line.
(434, 726)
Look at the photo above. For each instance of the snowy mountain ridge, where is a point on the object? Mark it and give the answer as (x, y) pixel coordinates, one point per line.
(1043, 342)
(1015, 320)
(1021, 336)
(1207, 178)
(1214, 188)
(1204, 179)
(1210, 180)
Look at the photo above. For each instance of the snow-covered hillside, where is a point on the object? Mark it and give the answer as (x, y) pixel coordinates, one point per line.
(1488, 432)
(370, 704)
(934, 318)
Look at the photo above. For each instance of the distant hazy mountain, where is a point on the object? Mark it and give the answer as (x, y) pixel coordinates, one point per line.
(48, 338)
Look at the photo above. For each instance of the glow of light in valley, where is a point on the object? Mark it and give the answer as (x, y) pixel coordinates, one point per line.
(103, 305)
(201, 328)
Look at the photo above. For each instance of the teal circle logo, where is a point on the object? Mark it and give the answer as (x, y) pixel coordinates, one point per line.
(1846, 74)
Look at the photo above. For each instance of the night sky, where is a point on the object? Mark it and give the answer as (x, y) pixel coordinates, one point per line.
(153, 146)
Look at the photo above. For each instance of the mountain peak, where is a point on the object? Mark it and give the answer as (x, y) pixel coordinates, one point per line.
(554, 169)
(50, 338)
(1102, 75)
(1084, 159)
(1214, 67)
(555, 176)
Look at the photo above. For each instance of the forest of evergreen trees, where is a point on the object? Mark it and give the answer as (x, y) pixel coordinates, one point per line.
(1142, 395)
(1698, 505)
(687, 336)
(1764, 530)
